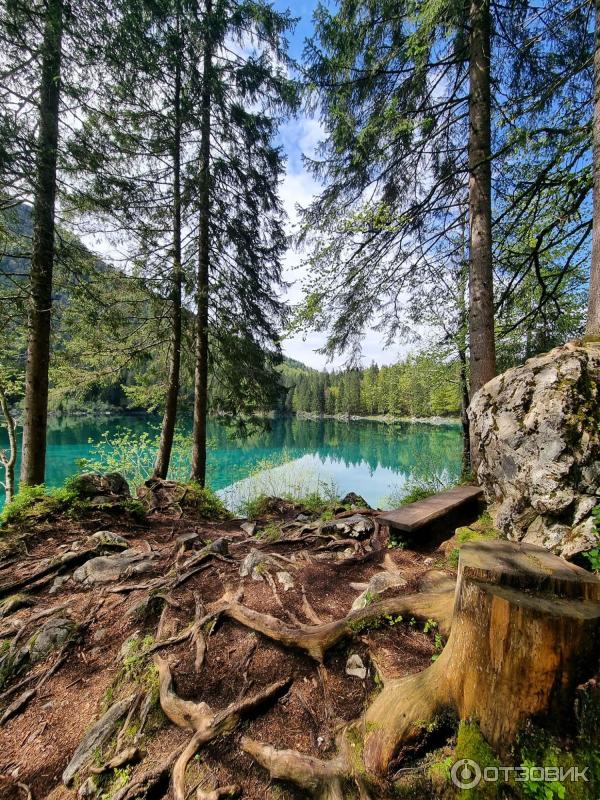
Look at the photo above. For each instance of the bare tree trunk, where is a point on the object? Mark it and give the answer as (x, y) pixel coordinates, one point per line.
(8, 460)
(481, 305)
(33, 462)
(464, 417)
(461, 339)
(593, 315)
(163, 457)
(201, 370)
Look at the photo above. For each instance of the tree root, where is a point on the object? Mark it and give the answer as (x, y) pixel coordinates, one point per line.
(317, 639)
(323, 779)
(524, 630)
(217, 794)
(202, 720)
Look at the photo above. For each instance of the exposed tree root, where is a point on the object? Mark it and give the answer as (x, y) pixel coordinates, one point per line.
(523, 633)
(141, 785)
(317, 639)
(217, 794)
(42, 576)
(200, 718)
(323, 779)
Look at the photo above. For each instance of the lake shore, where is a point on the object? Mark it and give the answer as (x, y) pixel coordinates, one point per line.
(385, 418)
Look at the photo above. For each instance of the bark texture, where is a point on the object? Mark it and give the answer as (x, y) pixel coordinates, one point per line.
(8, 459)
(593, 315)
(202, 288)
(163, 458)
(33, 461)
(481, 301)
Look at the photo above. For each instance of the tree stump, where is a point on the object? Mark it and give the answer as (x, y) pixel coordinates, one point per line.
(525, 632)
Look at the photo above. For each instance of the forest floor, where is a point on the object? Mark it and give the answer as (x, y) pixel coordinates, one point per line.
(55, 685)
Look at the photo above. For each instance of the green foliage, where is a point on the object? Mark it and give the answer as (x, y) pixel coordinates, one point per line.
(269, 533)
(418, 487)
(279, 477)
(205, 502)
(419, 386)
(537, 748)
(481, 530)
(36, 502)
(133, 455)
(593, 558)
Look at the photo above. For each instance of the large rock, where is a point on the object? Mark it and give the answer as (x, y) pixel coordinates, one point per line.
(538, 428)
(106, 569)
(102, 489)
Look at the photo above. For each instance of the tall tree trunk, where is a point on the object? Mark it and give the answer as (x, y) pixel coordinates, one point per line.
(593, 315)
(163, 458)
(461, 342)
(481, 302)
(201, 368)
(481, 294)
(33, 461)
(464, 417)
(8, 459)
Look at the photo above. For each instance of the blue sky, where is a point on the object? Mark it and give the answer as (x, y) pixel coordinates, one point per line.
(301, 135)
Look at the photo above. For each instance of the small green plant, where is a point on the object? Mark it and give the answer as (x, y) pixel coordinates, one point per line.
(429, 625)
(593, 559)
(205, 502)
(270, 533)
(36, 501)
(419, 487)
(542, 790)
(395, 542)
(133, 455)
(393, 620)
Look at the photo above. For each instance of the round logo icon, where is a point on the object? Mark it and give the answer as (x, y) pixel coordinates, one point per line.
(465, 774)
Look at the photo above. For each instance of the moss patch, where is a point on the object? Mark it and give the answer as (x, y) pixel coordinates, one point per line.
(481, 530)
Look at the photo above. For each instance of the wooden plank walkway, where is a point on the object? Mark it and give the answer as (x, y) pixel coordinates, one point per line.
(417, 515)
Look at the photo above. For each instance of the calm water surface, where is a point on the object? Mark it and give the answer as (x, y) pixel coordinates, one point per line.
(371, 458)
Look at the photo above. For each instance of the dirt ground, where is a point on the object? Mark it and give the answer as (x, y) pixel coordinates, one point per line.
(103, 662)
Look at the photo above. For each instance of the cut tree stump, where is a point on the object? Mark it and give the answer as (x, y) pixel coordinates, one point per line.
(525, 632)
(417, 515)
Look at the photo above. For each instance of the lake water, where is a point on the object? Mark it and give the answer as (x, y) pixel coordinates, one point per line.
(371, 458)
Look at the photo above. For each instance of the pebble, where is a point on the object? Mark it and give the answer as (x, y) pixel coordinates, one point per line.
(355, 667)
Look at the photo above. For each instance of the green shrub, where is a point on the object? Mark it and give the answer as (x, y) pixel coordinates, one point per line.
(593, 559)
(254, 507)
(418, 488)
(36, 502)
(205, 502)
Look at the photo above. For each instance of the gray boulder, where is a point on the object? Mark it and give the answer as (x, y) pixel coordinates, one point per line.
(356, 526)
(52, 635)
(105, 569)
(538, 428)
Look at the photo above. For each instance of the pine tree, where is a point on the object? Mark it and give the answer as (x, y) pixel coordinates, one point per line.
(33, 462)
(240, 234)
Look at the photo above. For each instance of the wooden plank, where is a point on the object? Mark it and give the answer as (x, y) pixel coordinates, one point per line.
(416, 515)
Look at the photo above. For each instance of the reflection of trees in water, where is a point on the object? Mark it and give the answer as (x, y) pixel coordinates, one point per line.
(410, 449)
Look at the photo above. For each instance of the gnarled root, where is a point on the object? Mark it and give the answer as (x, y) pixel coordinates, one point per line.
(200, 718)
(523, 635)
(317, 639)
(321, 778)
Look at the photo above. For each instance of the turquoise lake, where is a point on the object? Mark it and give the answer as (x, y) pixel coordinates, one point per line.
(371, 458)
